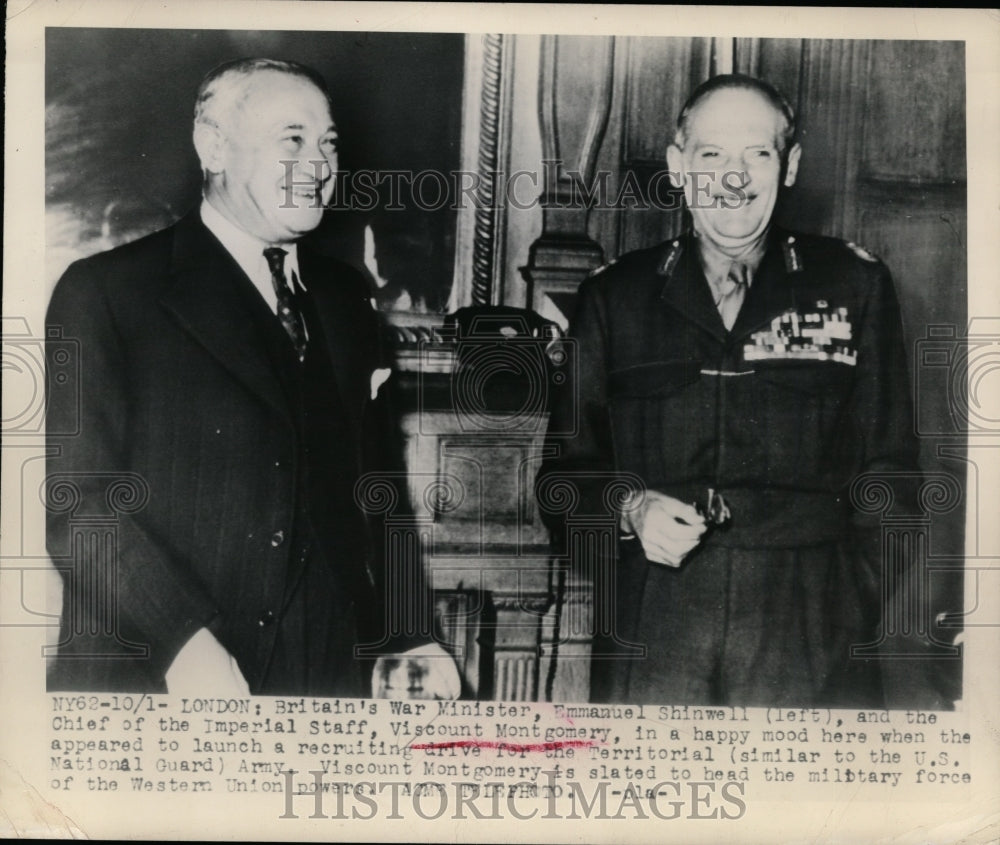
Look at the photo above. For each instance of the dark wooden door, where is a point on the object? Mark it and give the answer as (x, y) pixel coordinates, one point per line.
(882, 128)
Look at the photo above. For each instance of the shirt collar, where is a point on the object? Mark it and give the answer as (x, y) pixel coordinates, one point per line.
(716, 264)
(248, 251)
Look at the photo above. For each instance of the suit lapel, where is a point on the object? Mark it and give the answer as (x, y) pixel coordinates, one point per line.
(213, 301)
(340, 332)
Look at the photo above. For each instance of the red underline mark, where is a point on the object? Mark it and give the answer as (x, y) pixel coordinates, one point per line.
(505, 746)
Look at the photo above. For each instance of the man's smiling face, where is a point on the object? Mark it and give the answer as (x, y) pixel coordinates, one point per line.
(277, 158)
(731, 166)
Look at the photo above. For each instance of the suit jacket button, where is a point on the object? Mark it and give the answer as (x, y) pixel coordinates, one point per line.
(266, 618)
(277, 538)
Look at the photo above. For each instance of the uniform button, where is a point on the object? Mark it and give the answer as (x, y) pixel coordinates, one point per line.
(277, 538)
(266, 618)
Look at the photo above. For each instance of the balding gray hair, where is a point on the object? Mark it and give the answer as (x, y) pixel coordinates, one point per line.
(227, 85)
(739, 81)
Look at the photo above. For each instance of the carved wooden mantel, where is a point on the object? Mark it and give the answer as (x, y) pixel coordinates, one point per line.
(471, 474)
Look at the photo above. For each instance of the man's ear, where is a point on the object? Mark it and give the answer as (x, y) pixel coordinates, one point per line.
(675, 165)
(792, 165)
(210, 143)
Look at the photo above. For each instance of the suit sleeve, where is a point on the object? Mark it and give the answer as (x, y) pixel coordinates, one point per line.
(133, 591)
(402, 616)
(580, 464)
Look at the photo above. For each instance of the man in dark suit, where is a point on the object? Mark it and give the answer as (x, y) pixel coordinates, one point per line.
(229, 382)
(740, 378)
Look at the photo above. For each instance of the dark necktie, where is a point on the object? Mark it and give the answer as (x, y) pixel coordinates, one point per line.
(288, 312)
(734, 289)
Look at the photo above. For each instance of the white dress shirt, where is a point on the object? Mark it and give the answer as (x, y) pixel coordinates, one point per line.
(249, 253)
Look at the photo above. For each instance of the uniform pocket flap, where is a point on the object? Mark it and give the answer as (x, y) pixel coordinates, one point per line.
(807, 376)
(657, 378)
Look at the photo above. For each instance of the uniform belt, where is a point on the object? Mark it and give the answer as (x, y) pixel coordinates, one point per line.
(762, 518)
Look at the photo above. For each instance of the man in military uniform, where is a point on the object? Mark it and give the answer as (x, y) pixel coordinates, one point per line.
(741, 377)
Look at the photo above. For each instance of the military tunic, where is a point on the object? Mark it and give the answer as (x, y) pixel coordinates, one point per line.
(780, 415)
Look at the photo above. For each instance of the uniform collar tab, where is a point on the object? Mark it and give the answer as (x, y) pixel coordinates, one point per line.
(793, 254)
(670, 258)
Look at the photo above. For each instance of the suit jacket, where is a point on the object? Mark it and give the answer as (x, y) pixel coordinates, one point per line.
(782, 414)
(186, 456)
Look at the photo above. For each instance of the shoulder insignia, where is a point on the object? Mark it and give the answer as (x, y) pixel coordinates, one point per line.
(861, 252)
(602, 268)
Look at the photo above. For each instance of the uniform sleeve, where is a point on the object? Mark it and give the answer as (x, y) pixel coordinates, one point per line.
(579, 464)
(883, 414)
(153, 599)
